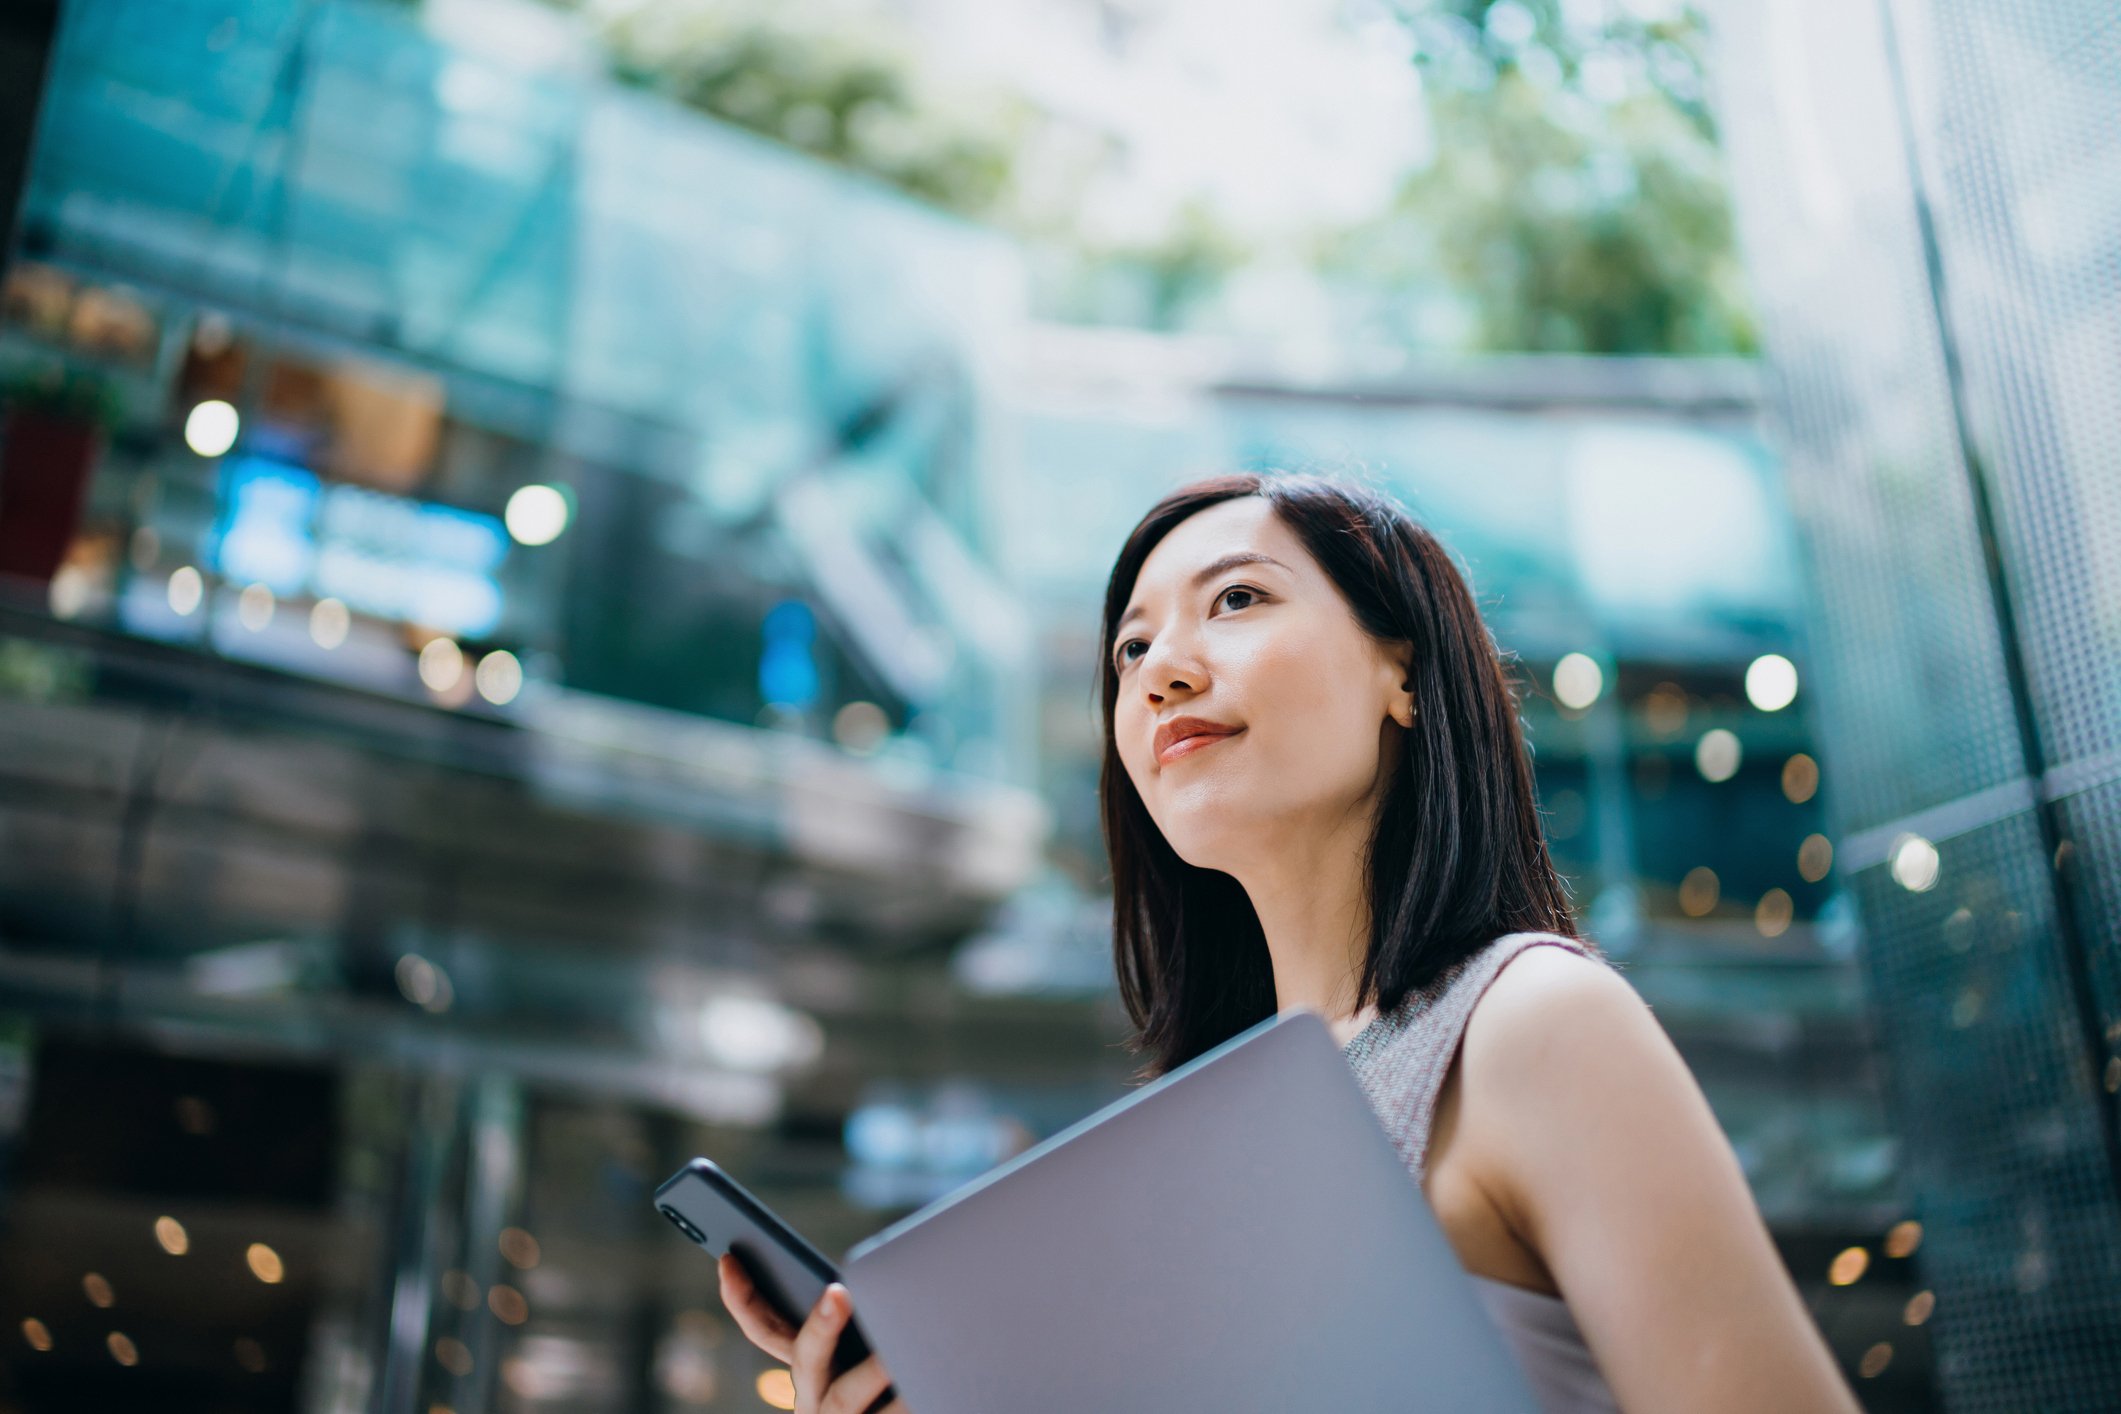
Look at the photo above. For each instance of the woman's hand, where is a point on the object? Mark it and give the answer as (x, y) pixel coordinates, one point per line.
(808, 1352)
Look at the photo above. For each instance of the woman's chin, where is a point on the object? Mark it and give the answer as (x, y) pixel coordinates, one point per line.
(1212, 845)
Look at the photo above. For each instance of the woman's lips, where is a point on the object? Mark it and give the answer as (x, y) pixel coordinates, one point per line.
(1182, 736)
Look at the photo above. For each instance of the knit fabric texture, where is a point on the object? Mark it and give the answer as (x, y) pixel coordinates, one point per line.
(1402, 1057)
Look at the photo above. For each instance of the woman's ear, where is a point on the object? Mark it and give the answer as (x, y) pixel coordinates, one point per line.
(1399, 705)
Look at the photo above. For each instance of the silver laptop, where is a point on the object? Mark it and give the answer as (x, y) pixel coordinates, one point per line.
(1238, 1235)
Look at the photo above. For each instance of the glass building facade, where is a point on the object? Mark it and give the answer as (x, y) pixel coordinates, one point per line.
(1928, 201)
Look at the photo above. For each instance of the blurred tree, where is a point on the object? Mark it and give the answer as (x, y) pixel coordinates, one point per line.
(1575, 202)
(840, 80)
(826, 78)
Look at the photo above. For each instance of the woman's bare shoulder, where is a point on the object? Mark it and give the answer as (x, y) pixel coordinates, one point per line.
(1558, 1032)
(1558, 993)
(1585, 1129)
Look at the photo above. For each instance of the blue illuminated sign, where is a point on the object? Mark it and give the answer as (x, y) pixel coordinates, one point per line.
(387, 556)
(263, 534)
(407, 560)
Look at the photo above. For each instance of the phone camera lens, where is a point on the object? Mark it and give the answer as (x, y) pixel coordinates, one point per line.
(684, 1225)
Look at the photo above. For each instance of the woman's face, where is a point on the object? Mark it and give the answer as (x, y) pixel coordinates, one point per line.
(1251, 704)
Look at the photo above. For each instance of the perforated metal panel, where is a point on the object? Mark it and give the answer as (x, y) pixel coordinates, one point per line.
(2020, 110)
(2004, 1158)
(1929, 194)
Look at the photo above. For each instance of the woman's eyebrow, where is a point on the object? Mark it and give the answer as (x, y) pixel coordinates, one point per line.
(1230, 562)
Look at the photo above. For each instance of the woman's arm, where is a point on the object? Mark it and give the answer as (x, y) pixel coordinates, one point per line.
(1577, 1121)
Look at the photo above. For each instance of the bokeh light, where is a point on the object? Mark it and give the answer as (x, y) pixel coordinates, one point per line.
(508, 1303)
(1904, 1238)
(210, 428)
(171, 1234)
(1699, 891)
(329, 623)
(1771, 682)
(499, 677)
(1915, 863)
(1966, 1008)
(1800, 779)
(70, 590)
(265, 1264)
(520, 1248)
(186, 590)
(254, 607)
(441, 664)
(860, 727)
(98, 1290)
(424, 983)
(1918, 1308)
(1717, 755)
(1577, 681)
(536, 515)
(1875, 1360)
(1664, 709)
(37, 1334)
(122, 1349)
(454, 1356)
(1774, 913)
(1849, 1266)
(249, 1354)
(1814, 858)
(777, 1388)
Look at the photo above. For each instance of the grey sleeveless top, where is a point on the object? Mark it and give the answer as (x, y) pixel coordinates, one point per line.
(1401, 1059)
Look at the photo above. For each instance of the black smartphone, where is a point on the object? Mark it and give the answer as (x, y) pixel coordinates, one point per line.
(712, 1209)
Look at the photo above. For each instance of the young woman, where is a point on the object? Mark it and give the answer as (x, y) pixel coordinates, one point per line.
(1316, 794)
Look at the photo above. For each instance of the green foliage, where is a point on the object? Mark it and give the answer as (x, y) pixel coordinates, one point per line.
(843, 92)
(836, 80)
(1576, 202)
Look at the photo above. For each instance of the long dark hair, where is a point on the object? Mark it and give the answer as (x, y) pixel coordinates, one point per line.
(1458, 858)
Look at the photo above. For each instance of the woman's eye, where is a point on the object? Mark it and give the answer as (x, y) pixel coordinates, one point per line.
(1239, 598)
(1132, 649)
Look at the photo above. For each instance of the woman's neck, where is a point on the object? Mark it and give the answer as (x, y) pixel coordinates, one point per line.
(1313, 903)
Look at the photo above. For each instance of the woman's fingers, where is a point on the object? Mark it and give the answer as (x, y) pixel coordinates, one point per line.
(855, 1391)
(807, 1352)
(811, 1362)
(760, 1323)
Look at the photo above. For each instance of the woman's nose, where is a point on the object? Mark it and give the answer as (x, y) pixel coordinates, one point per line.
(1166, 674)
(1177, 687)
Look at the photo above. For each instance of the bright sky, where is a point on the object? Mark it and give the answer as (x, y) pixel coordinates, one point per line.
(1281, 115)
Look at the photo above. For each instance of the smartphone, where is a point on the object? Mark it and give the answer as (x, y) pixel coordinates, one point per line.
(712, 1209)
